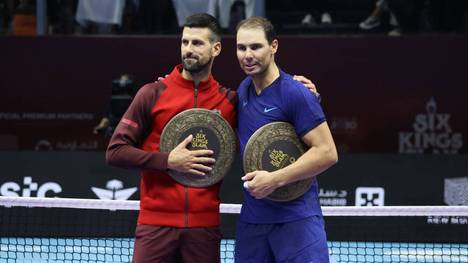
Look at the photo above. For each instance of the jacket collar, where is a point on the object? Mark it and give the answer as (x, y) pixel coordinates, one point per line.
(176, 76)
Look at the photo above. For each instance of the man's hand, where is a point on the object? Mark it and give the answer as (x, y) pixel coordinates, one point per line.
(161, 78)
(103, 124)
(259, 183)
(308, 83)
(195, 162)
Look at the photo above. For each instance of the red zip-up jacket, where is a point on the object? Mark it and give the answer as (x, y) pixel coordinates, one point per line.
(135, 144)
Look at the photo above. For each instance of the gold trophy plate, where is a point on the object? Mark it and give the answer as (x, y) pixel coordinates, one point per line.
(210, 131)
(272, 147)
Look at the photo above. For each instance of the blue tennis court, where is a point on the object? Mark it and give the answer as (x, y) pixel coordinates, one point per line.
(14, 249)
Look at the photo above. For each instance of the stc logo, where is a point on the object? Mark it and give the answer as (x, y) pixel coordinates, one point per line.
(370, 196)
(114, 191)
(29, 187)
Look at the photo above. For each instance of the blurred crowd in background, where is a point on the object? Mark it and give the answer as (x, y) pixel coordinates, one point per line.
(129, 17)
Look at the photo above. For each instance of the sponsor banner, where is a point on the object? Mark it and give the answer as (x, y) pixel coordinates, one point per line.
(360, 179)
(73, 175)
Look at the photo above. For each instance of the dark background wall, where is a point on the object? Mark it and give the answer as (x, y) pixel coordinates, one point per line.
(56, 89)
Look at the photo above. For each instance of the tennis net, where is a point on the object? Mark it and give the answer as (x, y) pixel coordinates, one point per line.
(88, 230)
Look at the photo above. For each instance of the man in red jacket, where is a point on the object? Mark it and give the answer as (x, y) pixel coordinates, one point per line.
(175, 222)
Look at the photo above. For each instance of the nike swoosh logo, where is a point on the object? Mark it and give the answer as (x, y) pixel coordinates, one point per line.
(269, 109)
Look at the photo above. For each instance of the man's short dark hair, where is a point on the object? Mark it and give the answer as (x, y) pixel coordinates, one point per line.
(205, 21)
(259, 22)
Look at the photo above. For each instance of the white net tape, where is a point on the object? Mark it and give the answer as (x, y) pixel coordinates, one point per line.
(235, 208)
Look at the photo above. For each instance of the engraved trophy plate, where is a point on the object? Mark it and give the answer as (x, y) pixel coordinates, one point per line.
(210, 132)
(272, 147)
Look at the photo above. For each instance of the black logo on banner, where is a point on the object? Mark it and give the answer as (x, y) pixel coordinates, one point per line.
(370, 196)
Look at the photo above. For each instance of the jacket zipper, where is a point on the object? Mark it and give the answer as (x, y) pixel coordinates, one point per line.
(186, 206)
(195, 95)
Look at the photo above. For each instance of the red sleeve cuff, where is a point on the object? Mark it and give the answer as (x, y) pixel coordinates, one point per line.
(159, 161)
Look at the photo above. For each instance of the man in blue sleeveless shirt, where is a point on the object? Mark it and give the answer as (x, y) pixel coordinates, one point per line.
(270, 231)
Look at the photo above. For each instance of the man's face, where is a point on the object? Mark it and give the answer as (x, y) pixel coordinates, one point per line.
(196, 49)
(253, 51)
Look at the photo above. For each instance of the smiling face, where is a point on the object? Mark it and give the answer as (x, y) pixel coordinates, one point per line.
(254, 52)
(197, 50)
